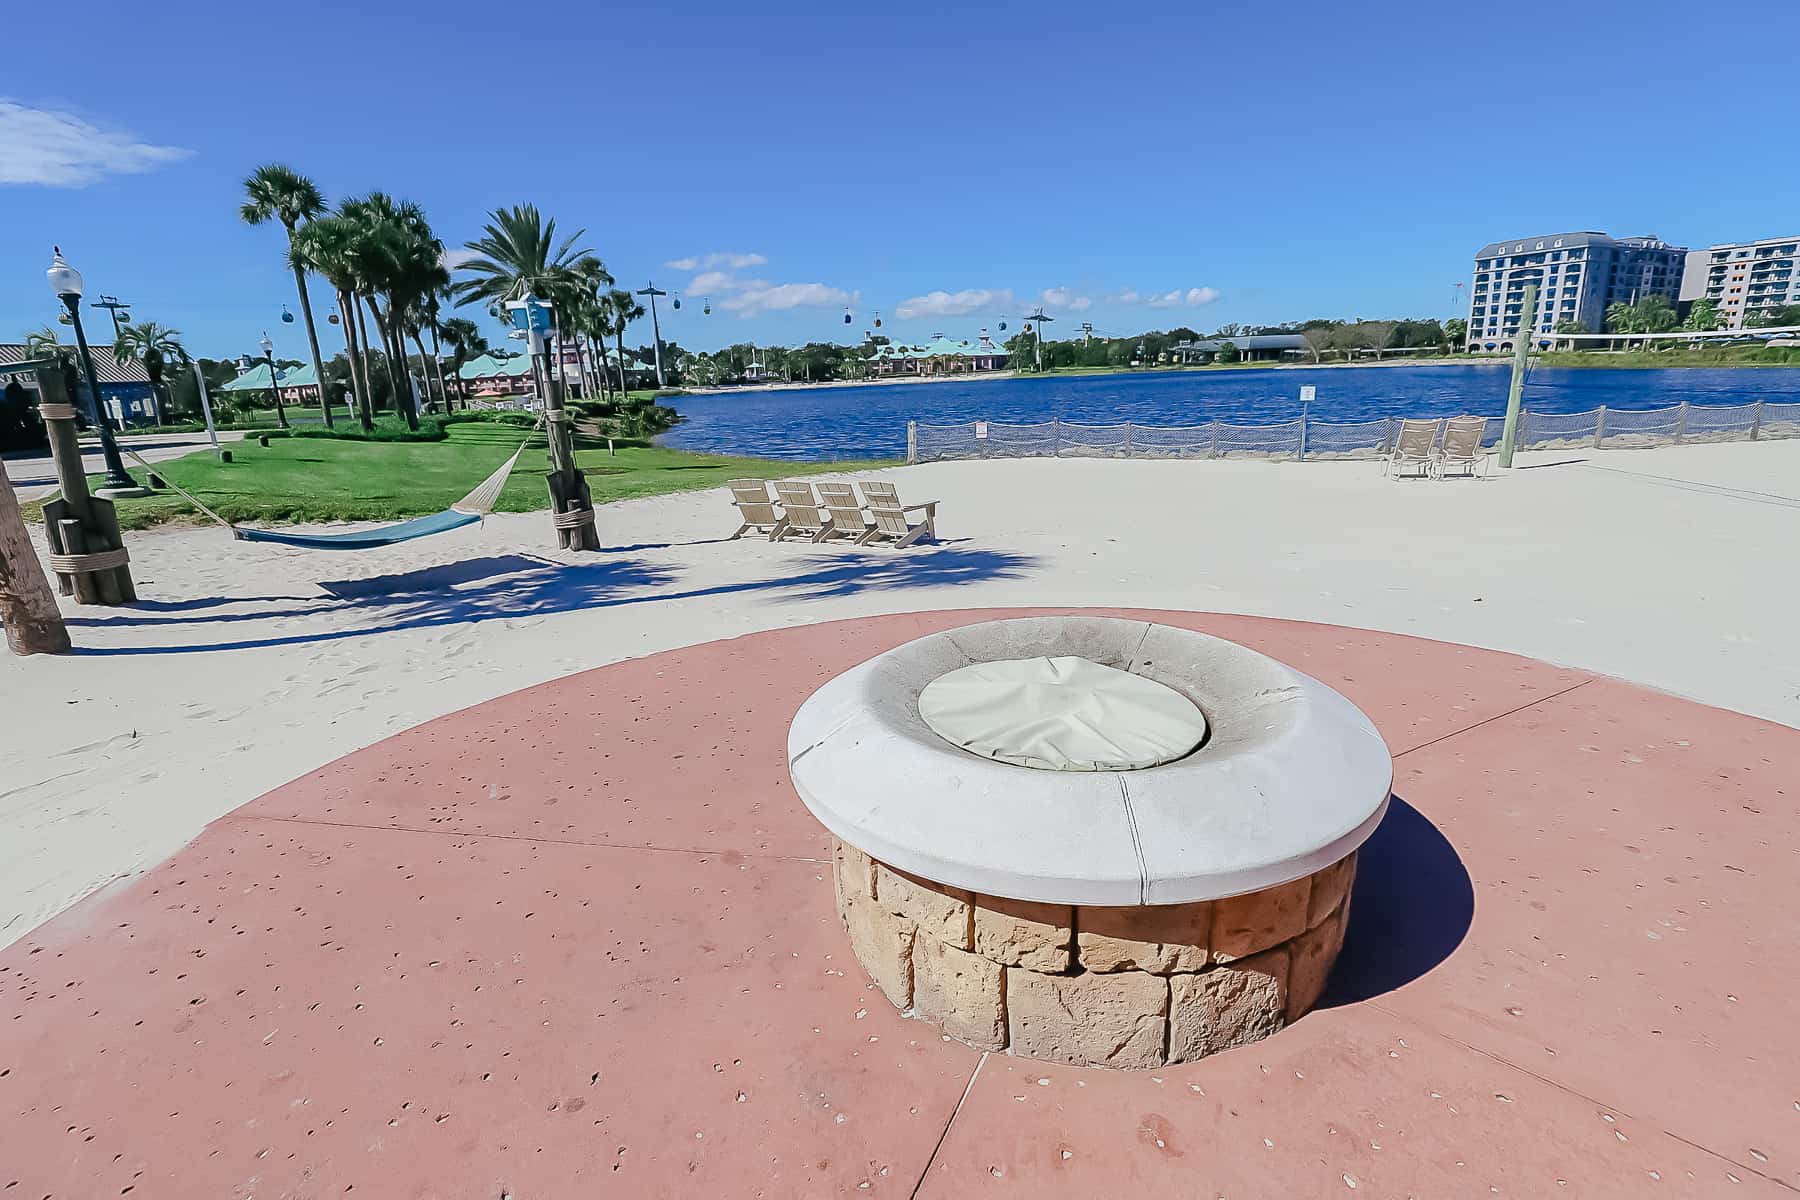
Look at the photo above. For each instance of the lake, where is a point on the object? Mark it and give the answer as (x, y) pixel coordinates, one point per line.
(869, 421)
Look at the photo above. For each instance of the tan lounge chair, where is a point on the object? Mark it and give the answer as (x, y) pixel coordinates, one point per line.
(751, 498)
(1462, 450)
(843, 512)
(890, 520)
(800, 511)
(1414, 447)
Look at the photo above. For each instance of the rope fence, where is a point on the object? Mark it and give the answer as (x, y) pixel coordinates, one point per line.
(1303, 438)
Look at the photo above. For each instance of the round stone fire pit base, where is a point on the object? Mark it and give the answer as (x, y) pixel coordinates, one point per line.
(1093, 985)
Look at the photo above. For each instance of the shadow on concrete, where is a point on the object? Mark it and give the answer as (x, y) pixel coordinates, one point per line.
(511, 586)
(1409, 910)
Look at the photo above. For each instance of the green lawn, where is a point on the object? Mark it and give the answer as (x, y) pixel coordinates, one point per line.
(323, 479)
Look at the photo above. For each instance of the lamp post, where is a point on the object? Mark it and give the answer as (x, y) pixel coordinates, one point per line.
(268, 349)
(65, 281)
(653, 292)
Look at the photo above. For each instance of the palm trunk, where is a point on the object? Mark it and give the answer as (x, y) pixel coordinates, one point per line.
(312, 336)
(437, 367)
(624, 390)
(396, 363)
(425, 370)
(359, 384)
(362, 337)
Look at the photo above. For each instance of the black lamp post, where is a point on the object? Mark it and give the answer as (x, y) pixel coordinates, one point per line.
(268, 349)
(65, 281)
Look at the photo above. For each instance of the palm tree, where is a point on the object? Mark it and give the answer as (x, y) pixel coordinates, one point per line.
(44, 343)
(156, 346)
(518, 254)
(328, 246)
(622, 310)
(277, 192)
(398, 261)
(466, 342)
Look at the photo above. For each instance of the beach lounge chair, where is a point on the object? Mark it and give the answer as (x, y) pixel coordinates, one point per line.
(890, 520)
(1462, 450)
(800, 511)
(751, 498)
(843, 512)
(1414, 447)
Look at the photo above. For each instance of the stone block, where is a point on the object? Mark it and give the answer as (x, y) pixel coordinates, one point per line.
(1229, 1005)
(1159, 938)
(852, 875)
(947, 914)
(883, 944)
(1088, 1019)
(961, 993)
(1310, 958)
(1019, 933)
(1329, 887)
(1248, 924)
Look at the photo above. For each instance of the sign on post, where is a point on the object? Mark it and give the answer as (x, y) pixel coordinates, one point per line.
(1308, 393)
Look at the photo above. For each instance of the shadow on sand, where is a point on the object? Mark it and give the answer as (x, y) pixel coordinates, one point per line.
(513, 586)
(1409, 909)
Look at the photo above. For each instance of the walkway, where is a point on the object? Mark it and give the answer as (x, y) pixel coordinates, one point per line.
(33, 476)
(579, 941)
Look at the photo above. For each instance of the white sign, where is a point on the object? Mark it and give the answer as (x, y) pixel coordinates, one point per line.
(1307, 393)
(981, 429)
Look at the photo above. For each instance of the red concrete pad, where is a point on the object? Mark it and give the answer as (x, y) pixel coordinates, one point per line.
(597, 891)
(1348, 1102)
(291, 1009)
(1634, 937)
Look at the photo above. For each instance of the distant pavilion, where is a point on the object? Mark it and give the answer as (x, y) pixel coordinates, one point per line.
(939, 356)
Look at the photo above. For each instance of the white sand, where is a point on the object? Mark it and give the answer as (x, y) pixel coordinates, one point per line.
(1672, 567)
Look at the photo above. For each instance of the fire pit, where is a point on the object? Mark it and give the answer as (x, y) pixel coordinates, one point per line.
(1091, 840)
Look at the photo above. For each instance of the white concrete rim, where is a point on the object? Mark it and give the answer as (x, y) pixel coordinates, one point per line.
(1292, 777)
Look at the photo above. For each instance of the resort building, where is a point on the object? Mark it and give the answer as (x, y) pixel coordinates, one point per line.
(1252, 347)
(299, 385)
(124, 386)
(1578, 276)
(489, 376)
(1746, 279)
(939, 355)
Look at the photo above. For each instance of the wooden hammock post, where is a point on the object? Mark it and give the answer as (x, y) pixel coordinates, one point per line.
(34, 625)
(571, 505)
(87, 551)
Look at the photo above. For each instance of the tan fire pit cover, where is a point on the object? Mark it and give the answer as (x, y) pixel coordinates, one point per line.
(1061, 714)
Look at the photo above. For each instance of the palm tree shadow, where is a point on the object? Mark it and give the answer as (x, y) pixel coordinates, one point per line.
(1410, 908)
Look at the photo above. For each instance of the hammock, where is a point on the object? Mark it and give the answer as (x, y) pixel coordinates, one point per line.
(467, 511)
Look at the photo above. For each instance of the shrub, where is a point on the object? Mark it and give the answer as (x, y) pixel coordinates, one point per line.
(430, 430)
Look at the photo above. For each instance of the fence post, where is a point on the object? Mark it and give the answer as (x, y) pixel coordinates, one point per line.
(1212, 450)
(1128, 439)
(912, 442)
(1600, 427)
(1056, 437)
(1681, 423)
(1756, 422)
(1387, 436)
(1524, 436)
(1301, 449)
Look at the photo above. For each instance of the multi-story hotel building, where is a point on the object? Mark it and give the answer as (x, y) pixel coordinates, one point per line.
(1578, 275)
(1747, 279)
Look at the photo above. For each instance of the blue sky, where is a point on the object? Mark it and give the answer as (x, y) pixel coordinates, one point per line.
(946, 165)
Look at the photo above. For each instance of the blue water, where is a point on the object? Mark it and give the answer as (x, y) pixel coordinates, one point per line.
(870, 422)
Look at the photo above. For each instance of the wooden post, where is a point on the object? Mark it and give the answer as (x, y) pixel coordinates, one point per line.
(1756, 422)
(1515, 392)
(912, 442)
(1681, 423)
(1300, 450)
(1128, 439)
(77, 523)
(1056, 437)
(1212, 449)
(571, 504)
(1600, 427)
(34, 624)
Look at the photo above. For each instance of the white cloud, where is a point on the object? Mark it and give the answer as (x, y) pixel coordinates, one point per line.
(59, 149)
(721, 281)
(453, 258)
(955, 304)
(1127, 296)
(1064, 298)
(1179, 297)
(707, 262)
(764, 297)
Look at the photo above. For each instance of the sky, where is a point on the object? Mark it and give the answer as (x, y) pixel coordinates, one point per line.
(944, 166)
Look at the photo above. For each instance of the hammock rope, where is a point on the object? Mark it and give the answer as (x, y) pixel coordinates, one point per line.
(467, 511)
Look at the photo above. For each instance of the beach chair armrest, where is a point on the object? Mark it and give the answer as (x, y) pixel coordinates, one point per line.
(930, 506)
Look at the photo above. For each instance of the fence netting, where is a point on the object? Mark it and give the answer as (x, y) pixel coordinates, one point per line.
(1303, 438)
